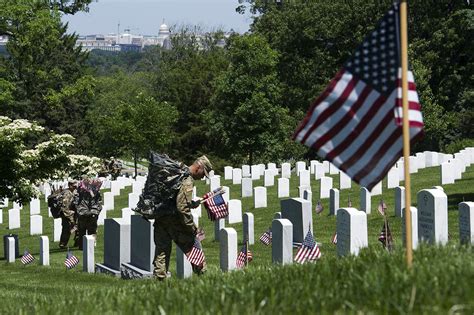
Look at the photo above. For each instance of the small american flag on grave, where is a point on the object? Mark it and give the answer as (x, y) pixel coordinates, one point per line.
(196, 255)
(71, 260)
(309, 250)
(266, 237)
(245, 256)
(27, 258)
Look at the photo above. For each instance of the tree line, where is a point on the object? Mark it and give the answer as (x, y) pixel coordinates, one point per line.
(239, 103)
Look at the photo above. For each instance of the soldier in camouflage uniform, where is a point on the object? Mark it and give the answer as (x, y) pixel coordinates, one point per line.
(179, 227)
(68, 215)
(88, 204)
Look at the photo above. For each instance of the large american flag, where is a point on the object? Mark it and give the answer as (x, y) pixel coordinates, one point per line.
(71, 260)
(266, 237)
(245, 256)
(309, 250)
(27, 258)
(356, 122)
(215, 205)
(196, 255)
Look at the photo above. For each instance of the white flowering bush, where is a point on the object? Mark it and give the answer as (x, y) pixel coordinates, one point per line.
(83, 165)
(26, 160)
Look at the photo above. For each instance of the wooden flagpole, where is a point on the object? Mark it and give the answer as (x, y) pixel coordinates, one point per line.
(406, 130)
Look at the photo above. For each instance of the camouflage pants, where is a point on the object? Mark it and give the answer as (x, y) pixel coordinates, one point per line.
(86, 224)
(166, 230)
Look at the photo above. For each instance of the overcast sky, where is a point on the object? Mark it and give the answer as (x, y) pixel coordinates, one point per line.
(146, 16)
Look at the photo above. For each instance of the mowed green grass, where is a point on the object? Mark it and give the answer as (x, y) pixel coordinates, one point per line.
(442, 279)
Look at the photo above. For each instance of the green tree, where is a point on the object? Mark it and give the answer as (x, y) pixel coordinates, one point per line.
(43, 76)
(126, 119)
(183, 77)
(248, 121)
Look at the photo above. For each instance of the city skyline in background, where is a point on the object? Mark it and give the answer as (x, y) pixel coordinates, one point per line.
(146, 16)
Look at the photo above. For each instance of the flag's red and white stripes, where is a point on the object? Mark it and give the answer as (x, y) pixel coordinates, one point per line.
(27, 258)
(216, 206)
(307, 254)
(195, 256)
(71, 261)
(355, 127)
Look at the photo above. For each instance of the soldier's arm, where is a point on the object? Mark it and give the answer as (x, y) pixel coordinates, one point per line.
(183, 199)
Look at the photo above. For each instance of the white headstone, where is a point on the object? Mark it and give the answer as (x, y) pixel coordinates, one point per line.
(226, 194)
(298, 211)
(245, 170)
(466, 222)
(255, 172)
(308, 195)
(137, 187)
(228, 249)
(447, 172)
(300, 166)
(227, 172)
(215, 182)
(344, 181)
(102, 217)
(115, 187)
(44, 251)
(13, 219)
(432, 216)
(283, 187)
(286, 170)
(1, 216)
(399, 201)
(269, 178)
(35, 207)
(282, 241)
(377, 189)
(393, 179)
(36, 225)
(302, 189)
(414, 228)
(16, 205)
(333, 170)
(260, 197)
(197, 211)
(277, 215)
(325, 186)
(431, 159)
(333, 201)
(351, 231)
(10, 254)
(109, 201)
(195, 219)
(413, 165)
(326, 166)
(247, 189)
(184, 269)
(133, 200)
(262, 169)
(236, 176)
(305, 178)
(365, 200)
(248, 228)
(88, 259)
(312, 166)
(57, 229)
(127, 214)
(421, 160)
(235, 211)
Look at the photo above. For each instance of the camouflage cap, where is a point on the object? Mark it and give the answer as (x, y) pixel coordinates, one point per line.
(72, 182)
(204, 161)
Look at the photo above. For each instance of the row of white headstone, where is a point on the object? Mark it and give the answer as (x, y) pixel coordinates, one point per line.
(452, 167)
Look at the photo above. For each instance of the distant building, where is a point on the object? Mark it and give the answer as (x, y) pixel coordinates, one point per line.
(125, 41)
